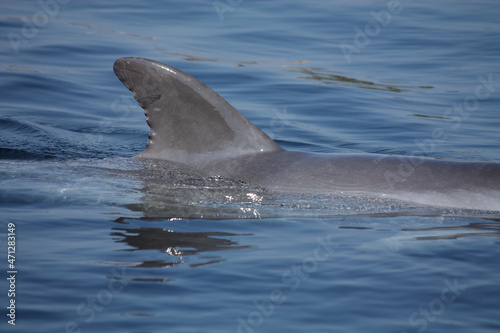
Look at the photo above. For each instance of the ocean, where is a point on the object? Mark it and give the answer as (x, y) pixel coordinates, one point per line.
(90, 242)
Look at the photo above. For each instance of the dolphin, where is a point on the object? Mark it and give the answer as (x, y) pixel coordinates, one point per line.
(192, 125)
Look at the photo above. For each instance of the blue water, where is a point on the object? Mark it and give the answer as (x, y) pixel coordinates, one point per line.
(103, 247)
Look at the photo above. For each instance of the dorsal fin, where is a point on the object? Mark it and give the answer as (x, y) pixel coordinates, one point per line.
(189, 122)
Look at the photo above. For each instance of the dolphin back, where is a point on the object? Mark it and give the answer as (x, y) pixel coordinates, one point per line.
(189, 123)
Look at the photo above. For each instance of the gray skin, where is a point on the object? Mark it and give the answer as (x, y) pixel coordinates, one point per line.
(192, 125)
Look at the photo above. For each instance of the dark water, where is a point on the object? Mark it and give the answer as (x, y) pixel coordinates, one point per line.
(102, 246)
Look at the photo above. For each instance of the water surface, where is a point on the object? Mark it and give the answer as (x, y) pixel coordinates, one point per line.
(102, 247)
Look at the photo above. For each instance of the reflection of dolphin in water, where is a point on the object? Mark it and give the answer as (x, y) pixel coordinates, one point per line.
(192, 125)
(177, 244)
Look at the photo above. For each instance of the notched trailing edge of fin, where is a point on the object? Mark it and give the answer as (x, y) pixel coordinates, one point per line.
(189, 122)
